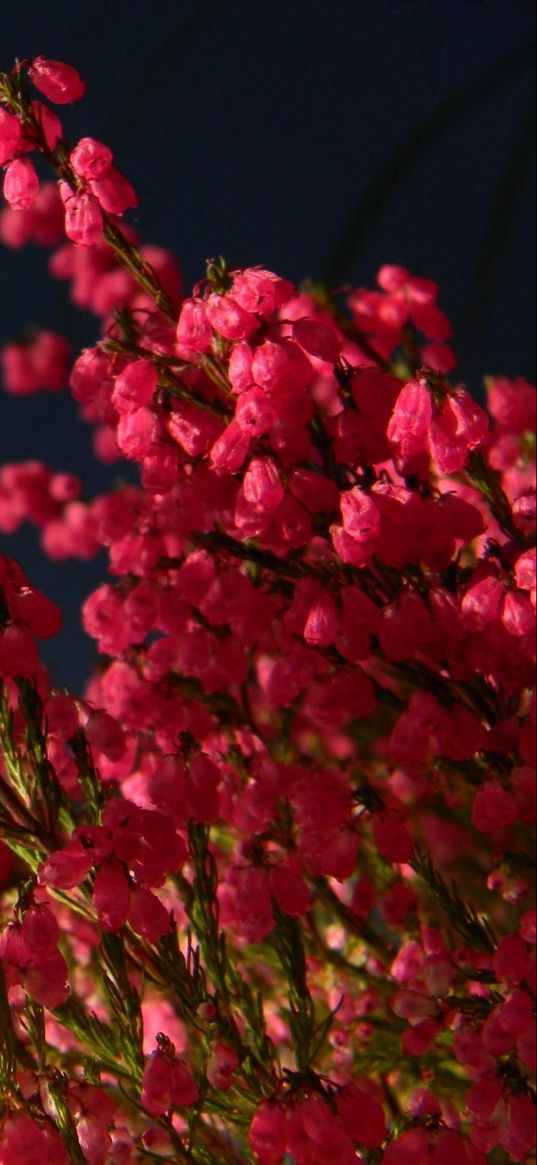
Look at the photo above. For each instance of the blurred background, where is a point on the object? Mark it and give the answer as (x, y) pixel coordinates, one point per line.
(317, 138)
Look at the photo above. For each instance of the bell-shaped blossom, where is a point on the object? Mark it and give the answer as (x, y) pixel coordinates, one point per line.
(21, 184)
(267, 1135)
(222, 1065)
(59, 82)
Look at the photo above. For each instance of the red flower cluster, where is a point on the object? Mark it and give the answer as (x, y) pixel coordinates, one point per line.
(286, 832)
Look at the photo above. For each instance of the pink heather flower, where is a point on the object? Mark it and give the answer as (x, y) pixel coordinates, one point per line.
(35, 611)
(147, 915)
(229, 318)
(41, 363)
(40, 929)
(90, 158)
(408, 962)
(254, 412)
(10, 136)
(88, 374)
(167, 1083)
(323, 621)
(246, 903)
(483, 1097)
(202, 789)
(18, 652)
(411, 419)
(111, 895)
(406, 627)
(508, 1021)
(267, 1136)
(519, 1137)
(361, 1114)
(230, 449)
(459, 426)
(21, 184)
(440, 357)
(46, 978)
(105, 734)
(260, 291)
(317, 339)
(157, 1085)
(528, 926)
(408, 1149)
(419, 1039)
(511, 960)
(438, 973)
(240, 367)
(397, 903)
(431, 320)
(83, 217)
(393, 838)
(360, 515)
(481, 603)
(94, 1139)
(494, 808)
(136, 432)
(472, 421)
(32, 958)
(315, 1135)
(394, 278)
(289, 888)
(66, 868)
(102, 618)
(269, 365)
(61, 83)
(525, 513)
(315, 491)
(114, 192)
(24, 1142)
(194, 429)
(61, 714)
(512, 403)
(350, 550)
(49, 123)
(518, 614)
(222, 1065)
(135, 386)
(262, 486)
(194, 332)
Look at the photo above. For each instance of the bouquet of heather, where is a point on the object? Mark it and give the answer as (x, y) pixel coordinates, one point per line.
(266, 885)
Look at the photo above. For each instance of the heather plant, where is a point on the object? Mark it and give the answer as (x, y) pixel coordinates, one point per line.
(267, 883)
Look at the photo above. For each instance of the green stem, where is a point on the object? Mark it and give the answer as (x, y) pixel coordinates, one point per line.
(460, 914)
(488, 482)
(288, 942)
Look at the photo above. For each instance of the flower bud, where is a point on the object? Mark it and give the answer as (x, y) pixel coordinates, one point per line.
(222, 1066)
(90, 158)
(61, 83)
(21, 184)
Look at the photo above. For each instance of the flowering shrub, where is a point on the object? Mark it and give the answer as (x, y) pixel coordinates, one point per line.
(266, 885)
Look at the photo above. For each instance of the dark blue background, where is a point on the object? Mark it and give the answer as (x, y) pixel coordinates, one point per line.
(318, 138)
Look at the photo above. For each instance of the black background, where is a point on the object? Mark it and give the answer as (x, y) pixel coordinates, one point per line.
(319, 139)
